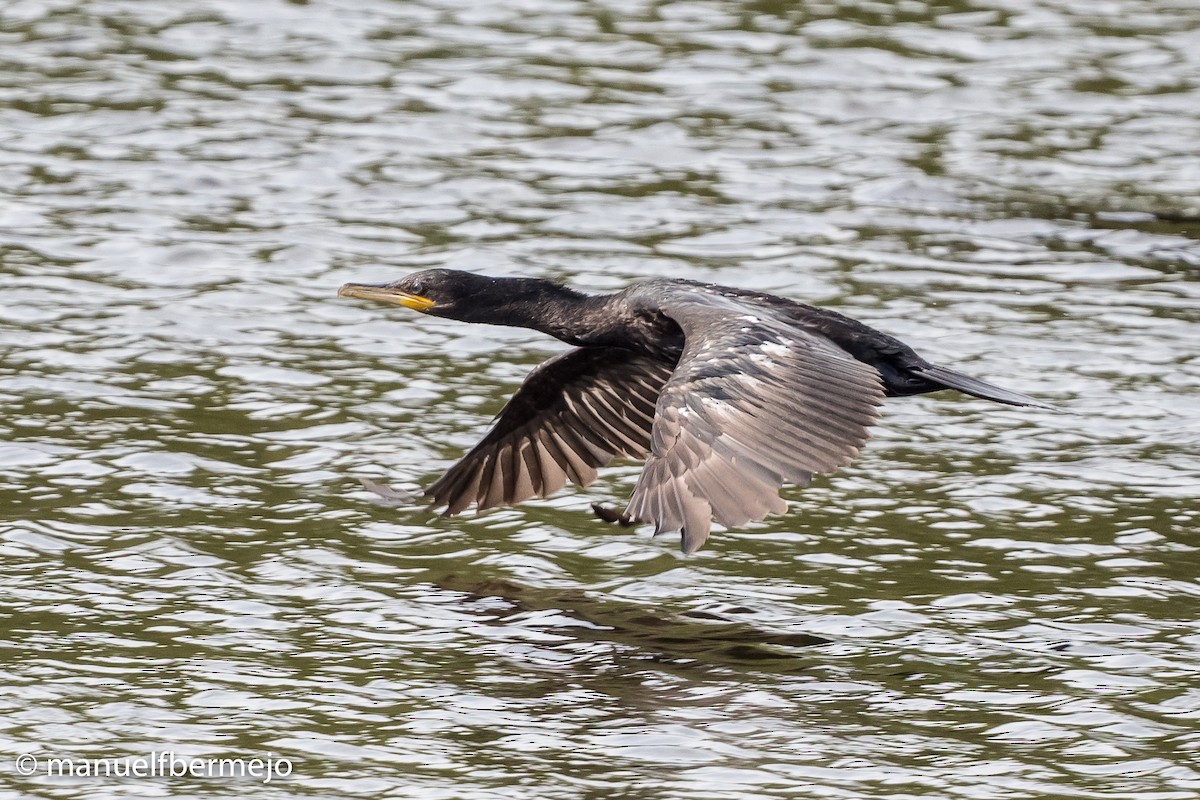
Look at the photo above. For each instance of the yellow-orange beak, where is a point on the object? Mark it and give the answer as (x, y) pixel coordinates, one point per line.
(365, 291)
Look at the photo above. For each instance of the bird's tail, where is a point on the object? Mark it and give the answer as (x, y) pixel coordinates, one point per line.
(951, 379)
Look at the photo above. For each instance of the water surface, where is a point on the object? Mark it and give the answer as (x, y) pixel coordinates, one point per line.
(991, 601)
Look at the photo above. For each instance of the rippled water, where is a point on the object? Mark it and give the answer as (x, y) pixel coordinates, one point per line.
(990, 602)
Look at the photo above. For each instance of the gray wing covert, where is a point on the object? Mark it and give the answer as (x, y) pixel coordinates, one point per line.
(755, 402)
(574, 413)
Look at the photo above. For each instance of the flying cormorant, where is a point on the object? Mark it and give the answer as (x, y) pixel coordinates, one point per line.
(727, 394)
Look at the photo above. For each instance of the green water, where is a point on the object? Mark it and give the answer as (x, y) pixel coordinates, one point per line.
(991, 602)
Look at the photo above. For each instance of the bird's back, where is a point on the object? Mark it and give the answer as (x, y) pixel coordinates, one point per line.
(895, 361)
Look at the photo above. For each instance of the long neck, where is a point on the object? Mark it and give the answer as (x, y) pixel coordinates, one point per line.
(564, 313)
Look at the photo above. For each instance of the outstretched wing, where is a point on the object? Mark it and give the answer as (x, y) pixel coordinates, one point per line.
(573, 413)
(755, 402)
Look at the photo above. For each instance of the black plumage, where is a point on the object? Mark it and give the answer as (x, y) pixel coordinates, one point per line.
(728, 394)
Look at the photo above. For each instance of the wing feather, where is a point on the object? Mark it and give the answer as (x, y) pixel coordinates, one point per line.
(573, 414)
(755, 402)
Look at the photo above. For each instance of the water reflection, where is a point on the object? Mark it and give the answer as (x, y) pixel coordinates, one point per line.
(190, 563)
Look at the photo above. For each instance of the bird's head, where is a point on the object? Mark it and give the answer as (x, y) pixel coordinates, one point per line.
(466, 296)
(438, 292)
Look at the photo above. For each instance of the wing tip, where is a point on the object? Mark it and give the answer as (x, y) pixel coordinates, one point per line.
(691, 540)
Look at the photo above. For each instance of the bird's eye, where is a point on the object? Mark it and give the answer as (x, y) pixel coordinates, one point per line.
(418, 288)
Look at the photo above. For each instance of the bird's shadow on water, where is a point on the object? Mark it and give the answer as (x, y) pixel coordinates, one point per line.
(695, 636)
(691, 636)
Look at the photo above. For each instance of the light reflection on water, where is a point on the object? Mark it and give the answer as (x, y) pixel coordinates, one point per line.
(990, 600)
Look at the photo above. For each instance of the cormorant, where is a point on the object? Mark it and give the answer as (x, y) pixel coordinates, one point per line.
(727, 394)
